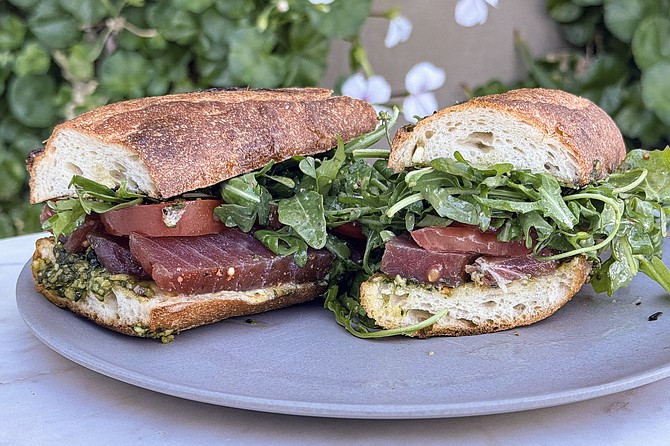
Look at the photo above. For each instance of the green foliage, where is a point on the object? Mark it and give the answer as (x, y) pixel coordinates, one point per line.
(60, 58)
(620, 59)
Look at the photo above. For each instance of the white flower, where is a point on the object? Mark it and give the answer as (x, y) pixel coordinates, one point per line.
(421, 80)
(321, 2)
(282, 6)
(400, 28)
(375, 90)
(420, 105)
(473, 12)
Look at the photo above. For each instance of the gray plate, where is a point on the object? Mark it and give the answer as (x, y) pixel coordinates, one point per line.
(299, 361)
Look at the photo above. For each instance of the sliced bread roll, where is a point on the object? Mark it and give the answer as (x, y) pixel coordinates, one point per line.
(161, 314)
(165, 146)
(536, 129)
(473, 309)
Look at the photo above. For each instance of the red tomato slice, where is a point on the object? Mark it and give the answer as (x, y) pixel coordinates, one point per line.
(466, 239)
(183, 218)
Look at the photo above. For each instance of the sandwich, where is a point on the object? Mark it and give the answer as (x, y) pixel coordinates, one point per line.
(172, 212)
(499, 210)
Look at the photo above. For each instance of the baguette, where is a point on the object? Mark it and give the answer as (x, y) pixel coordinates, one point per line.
(536, 129)
(165, 146)
(165, 314)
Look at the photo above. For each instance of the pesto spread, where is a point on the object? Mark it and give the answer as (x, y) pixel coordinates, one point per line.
(74, 275)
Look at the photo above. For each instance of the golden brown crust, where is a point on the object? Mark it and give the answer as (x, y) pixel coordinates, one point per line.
(194, 140)
(171, 313)
(587, 133)
(179, 317)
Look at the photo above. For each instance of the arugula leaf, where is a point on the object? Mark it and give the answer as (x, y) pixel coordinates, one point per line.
(245, 202)
(656, 185)
(90, 196)
(553, 204)
(329, 169)
(304, 212)
(284, 242)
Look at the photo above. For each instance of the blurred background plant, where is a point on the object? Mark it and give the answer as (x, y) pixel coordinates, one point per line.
(619, 58)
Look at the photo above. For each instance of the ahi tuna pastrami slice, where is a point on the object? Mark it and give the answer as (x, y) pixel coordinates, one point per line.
(232, 260)
(451, 256)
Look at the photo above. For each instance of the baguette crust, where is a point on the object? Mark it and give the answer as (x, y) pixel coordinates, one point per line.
(538, 129)
(473, 309)
(165, 314)
(165, 146)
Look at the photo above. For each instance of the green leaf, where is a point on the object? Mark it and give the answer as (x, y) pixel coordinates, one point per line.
(53, 27)
(125, 74)
(24, 4)
(553, 204)
(235, 9)
(212, 43)
(79, 63)
(194, 6)
(176, 25)
(283, 242)
(87, 12)
(13, 173)
(656, 90)
(657, 270)
(651, 42)
(232, 215)
(304, 212)
(12, 32)
(307, 55)
(251, 59)
(327, 172)
(622, 17)
(341, 19)
(30, 100)
(564, 11)
(32, 59)
(618, 270)
(656, 185)
(582, 31)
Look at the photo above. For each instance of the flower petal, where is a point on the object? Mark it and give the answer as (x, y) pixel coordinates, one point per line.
(378, 90)
(471, 12)
(355, 86)
(421, 105)
(424, 77)
(400, 28)
(321, 2)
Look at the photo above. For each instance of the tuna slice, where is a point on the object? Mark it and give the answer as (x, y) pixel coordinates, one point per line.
(114, 254)
(499, 271)
(231, 260)
(404, 258)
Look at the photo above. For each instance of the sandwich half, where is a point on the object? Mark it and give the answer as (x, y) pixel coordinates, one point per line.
(156, 204)
(506, 204)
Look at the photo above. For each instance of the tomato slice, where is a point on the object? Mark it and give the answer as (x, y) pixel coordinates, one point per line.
(176, 218)
(466, 239)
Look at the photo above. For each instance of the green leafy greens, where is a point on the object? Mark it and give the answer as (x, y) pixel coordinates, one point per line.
(618, 224)
(89, 197)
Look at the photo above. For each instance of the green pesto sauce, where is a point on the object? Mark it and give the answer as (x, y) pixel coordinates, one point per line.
(74, 275)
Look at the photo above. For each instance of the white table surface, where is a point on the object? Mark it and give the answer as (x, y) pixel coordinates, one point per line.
(47, 399)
